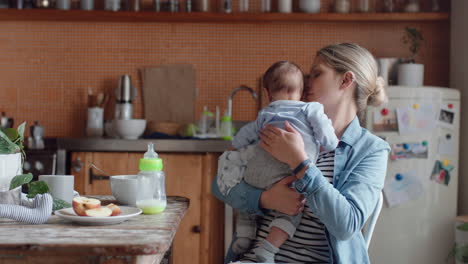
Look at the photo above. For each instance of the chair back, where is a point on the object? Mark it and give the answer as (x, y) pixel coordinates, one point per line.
(369, 228)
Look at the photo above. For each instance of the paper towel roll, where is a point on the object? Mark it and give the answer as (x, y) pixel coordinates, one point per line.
(388, 69)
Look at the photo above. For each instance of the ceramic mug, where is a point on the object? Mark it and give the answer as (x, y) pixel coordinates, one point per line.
(60, 186)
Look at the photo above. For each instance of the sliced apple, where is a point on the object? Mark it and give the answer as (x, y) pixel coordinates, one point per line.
(81, 204)
(115, 209)
(99, 212)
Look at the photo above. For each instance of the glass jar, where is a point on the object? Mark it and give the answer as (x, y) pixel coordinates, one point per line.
(393, 5)
(363, 6)
(435, 6)
(412, 6)
(342, 6)
(112, 5)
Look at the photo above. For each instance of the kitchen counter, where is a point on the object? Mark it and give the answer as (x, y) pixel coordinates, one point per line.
(141, 239)
(140, 145)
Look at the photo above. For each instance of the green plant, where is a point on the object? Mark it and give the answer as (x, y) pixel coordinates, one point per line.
(11, 140)
(412, 37)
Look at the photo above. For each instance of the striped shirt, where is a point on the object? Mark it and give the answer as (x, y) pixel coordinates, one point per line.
(309, 244)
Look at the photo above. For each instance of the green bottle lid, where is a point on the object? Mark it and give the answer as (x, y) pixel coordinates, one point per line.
(150, 161)
(226, 118)
(151, 164)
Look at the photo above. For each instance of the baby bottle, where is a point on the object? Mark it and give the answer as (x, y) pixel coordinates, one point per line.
(151, 197)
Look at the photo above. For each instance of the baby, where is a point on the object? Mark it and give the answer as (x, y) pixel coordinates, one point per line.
(284, 84)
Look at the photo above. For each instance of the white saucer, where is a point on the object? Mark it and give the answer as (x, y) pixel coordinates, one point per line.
(127, 212)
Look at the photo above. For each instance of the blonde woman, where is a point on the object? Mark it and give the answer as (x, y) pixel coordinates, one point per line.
(339, 191)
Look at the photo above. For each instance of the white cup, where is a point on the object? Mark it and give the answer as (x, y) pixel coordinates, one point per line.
(60, 186)
(125, 188)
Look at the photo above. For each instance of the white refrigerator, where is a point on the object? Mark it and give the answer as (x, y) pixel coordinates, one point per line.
(416, 224)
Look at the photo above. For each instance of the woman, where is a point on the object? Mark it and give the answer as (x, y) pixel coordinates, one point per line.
(342, 187)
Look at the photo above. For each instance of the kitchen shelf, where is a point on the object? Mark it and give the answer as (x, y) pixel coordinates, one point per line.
(198, 17)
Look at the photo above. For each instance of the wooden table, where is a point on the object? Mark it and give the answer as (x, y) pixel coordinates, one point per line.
(141, 239)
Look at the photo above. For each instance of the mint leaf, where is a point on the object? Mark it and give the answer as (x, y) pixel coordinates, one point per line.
(11, 133)
(37, 187)
(6, 145)
(11, 140)
(59, 204)
(21, 131)
(19, 180)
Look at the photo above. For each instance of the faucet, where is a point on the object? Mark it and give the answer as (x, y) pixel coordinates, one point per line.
(242, 87)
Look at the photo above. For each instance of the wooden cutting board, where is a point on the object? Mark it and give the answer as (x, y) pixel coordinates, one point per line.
(169, 93)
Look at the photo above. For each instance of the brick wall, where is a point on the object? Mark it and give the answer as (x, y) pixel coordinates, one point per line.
(46, 67)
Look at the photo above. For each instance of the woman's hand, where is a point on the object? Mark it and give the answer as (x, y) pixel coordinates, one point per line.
(285, 145)
(282, 198)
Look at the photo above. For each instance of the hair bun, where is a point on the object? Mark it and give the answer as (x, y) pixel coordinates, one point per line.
(378, 96)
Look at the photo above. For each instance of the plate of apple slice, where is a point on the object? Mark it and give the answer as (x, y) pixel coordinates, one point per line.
(88, 211)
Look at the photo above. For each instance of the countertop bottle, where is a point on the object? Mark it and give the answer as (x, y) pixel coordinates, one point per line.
(226, 127)
(151, 198)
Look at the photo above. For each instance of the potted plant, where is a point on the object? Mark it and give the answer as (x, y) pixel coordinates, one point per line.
(409, 72)
(460, 247)
(11, 160)
(11, 163)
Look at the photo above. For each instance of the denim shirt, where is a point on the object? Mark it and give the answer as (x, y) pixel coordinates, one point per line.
(344, 207)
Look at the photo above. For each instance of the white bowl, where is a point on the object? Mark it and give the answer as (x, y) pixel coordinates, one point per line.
(129, 128)
(309, 6)
(124, 188)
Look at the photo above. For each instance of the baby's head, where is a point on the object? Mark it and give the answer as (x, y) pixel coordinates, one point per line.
(283, 81)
